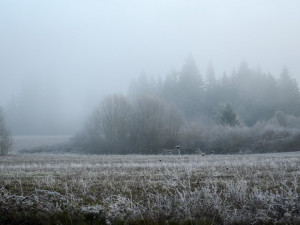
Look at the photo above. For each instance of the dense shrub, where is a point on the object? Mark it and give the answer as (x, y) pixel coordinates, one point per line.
(263, 137)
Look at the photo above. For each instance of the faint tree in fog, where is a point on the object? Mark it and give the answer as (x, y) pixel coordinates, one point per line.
(90, 138)
(265, 97)
(211, 80)
(37, 108)
(144, 85)
(254, 94)
(211, 91)
(24, 114)
(170, 87)
(147, 125)
(226, 91)
(228, 116)
(190, 89)
(5, 138)
(155, 124)
(173, 120)
(115, 115)
(289, 96)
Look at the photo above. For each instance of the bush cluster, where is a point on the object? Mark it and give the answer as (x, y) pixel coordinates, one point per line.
(149, 125)
(146, 125)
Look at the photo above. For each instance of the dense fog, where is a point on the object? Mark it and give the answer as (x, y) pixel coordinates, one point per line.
(58, 59)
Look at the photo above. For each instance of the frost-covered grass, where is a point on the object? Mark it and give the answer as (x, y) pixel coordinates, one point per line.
(141, 189)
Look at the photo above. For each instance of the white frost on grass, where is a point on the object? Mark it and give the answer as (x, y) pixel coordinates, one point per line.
(229, 189)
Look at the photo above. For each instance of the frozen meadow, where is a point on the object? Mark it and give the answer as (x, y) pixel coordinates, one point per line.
(150, 189)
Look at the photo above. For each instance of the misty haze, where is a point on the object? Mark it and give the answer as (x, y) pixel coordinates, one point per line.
(149, 112)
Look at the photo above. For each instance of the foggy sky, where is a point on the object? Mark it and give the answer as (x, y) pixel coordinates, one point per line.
(96, 47)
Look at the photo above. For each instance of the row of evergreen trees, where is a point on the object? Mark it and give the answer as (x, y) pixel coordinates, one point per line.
(254, 95)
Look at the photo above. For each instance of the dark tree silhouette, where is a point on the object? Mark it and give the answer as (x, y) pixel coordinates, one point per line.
(228, 116)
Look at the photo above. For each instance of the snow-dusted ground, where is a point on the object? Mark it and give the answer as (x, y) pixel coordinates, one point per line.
(224, 189)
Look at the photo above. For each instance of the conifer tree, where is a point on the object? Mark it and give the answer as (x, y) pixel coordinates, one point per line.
(228, 116)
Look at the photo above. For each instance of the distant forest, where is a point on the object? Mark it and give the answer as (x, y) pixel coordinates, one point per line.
(244, 112)
(254, 95)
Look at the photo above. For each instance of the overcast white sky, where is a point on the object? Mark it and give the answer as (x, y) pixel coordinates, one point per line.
(98, 46)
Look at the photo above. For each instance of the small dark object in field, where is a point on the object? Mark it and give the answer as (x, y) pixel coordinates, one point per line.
(212, 152)
(178, 147)
(203, 154)
(227, 168)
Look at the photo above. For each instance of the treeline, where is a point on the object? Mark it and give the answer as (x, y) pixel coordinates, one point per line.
(254, 95)
(248, 111)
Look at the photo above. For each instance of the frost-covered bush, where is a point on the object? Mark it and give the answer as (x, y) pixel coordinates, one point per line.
(263, 137)
(284, 120)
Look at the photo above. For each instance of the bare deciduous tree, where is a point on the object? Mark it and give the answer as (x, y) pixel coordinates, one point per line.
(173, 120)
(147, 126)
(5, 138)
(115, 115)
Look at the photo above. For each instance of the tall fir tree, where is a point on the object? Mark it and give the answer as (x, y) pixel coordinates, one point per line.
(190, 89)
(289, 97)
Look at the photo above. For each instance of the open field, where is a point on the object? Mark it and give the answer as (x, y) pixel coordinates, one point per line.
(21, 142)
(147, 189)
